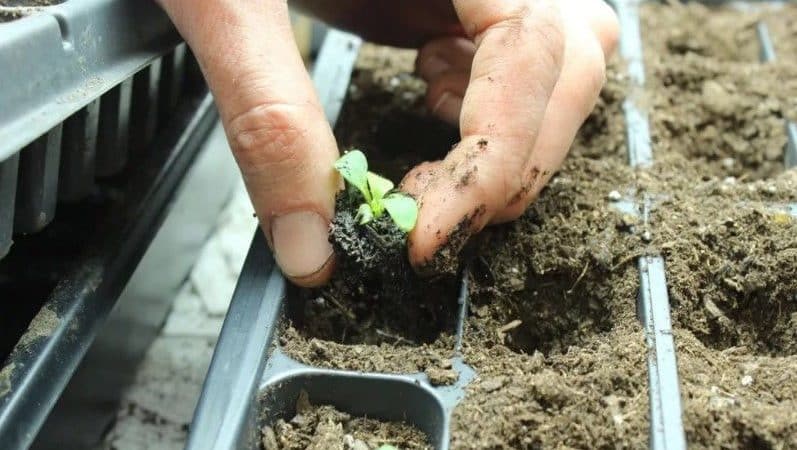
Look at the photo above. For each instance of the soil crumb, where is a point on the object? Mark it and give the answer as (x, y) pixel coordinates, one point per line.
(43, 325)
(325, 428)
(733, 400)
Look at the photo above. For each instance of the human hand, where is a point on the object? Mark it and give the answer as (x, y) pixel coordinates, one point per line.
(519, 76)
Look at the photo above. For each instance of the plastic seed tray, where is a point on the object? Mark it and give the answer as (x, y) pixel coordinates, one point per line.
(252, 383)
(84, 88)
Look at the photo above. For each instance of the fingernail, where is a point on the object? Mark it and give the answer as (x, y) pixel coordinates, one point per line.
(300, 242)
(448, 107)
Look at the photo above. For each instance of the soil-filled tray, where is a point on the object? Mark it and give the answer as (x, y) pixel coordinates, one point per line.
(645, 299)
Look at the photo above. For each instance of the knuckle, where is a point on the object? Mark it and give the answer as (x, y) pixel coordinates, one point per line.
(269, 136)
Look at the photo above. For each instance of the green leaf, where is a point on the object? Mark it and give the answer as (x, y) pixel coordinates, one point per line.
(387, 447)
(354, 168)
(378, 186)
(403, 209)
(364, 214)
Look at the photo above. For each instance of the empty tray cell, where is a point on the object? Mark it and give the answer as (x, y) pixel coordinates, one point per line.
(78, 153)
(144, 106)
(8, 194)
(37, 186)
(337, 328)
(112, 138)
(321, 409)
(171, 82)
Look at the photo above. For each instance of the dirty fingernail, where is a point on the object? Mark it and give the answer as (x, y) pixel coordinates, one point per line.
(300, 242)
(448, 107)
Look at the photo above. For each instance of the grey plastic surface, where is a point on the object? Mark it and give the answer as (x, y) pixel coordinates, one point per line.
(78, 151)
(8, 196)
(113, 133)
(90, 288)
(630, 48)
(57, 61)
(790, 156)
(37, 188)
(666, 425)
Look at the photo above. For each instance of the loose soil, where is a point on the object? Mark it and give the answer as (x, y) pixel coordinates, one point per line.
(322, 427)
(734, 400)
(731, 255)
(709, 98)
(559, 355)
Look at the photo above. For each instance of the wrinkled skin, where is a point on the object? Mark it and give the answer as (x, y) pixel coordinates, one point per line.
(518, 77)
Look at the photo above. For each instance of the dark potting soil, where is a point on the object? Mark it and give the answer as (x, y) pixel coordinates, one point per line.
(322, 427)
(709, 97)
(558, 352)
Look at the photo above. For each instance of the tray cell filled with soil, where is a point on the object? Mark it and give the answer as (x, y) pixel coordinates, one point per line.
(710, 98)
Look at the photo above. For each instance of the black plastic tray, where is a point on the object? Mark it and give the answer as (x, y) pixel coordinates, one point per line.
(250, 382)
(84, 87)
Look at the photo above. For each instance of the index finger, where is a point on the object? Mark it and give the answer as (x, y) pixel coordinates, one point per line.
(519, 49)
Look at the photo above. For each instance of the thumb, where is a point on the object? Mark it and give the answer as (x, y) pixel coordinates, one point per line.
(274, 123)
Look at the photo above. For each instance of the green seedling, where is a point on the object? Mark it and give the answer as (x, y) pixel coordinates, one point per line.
(377, 192)
(387, 447)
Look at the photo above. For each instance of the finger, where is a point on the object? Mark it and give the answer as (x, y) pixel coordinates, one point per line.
(573, 98)
(274, 123)
(443, 55)
(519, 47)
(445, 94)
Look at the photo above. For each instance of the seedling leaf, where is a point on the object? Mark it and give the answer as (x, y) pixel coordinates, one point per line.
(378, 186)
(403, 209)
(387, 447)
(354, 168)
